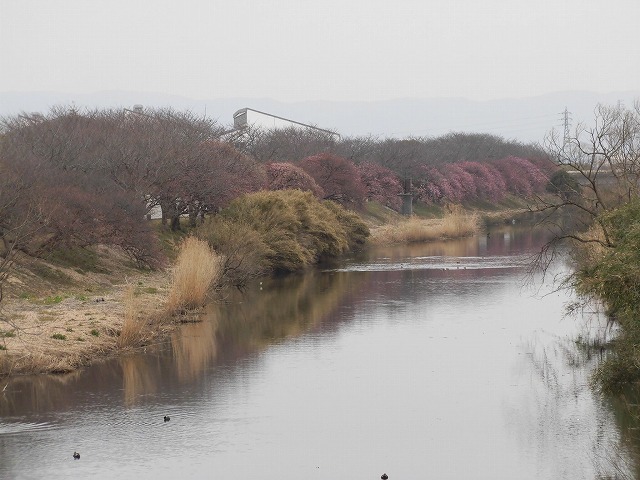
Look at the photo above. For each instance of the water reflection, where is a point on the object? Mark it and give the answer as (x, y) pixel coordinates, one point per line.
(194, 346)
(436, 346)
(282, 308)
(240, 325)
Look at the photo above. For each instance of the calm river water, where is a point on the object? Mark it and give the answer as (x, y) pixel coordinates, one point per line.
(430, 361)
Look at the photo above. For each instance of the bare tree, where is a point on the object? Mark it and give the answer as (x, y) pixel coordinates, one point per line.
(358, 149)
(23, 213)
(284, 145)
(58, 195)
(600, 170)
(405, 157)
(337, 177)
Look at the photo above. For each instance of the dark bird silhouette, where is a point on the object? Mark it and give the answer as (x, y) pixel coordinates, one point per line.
(76, 455)
(166, 418)
(384, 476)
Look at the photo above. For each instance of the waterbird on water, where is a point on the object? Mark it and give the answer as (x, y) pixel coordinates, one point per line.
(166, 418)
(76, 455)
(384, 476)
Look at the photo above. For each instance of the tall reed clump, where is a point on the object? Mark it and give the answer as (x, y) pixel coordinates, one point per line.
(455, 224)
(197, 269)
(133, 328)
(458, 223)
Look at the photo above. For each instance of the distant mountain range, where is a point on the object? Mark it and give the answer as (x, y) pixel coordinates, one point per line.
(527, 120)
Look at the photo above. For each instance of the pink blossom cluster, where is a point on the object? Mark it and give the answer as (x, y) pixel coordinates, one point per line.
(467, 181)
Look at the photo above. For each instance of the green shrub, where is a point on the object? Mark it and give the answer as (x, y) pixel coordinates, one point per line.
(613, 276)
(95, 333)
(564, 185)
(59, 336)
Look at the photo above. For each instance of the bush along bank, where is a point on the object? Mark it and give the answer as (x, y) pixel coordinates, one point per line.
(612, 275)
(279, 232)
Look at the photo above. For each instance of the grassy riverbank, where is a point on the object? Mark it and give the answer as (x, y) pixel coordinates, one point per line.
(65, 311)
(61, 315)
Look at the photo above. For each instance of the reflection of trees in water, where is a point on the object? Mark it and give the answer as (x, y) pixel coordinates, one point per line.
(619, 460)
(281, 308)
(243, 323)
(562, 399)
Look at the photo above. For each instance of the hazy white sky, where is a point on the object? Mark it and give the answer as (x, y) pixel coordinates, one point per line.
(293, 50)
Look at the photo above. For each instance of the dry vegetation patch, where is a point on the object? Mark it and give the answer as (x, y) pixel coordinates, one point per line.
(197, 269)
(455, 224)
(52, 326)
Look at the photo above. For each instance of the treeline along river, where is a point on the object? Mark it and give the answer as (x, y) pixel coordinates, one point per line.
(430, 361)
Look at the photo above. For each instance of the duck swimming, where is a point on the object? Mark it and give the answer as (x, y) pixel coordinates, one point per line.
(76, 455)
(166, 418)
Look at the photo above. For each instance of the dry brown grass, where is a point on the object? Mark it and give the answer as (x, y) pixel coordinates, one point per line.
(455, 224)
(95, 325)
(197, 269)
(133, 328)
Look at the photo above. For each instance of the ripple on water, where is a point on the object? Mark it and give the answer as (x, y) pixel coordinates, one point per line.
(440, 263)
(18, 427)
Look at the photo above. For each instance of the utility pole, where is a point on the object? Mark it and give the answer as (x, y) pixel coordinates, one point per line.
(407, 197)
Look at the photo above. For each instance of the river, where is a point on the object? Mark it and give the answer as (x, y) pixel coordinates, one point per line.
(433, 361)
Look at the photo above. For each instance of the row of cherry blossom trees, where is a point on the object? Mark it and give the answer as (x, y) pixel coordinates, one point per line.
(77, 178)
(492, 181)
(455, 168)
(333, 177)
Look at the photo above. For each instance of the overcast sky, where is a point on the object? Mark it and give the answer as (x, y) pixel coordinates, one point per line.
(295, 50)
